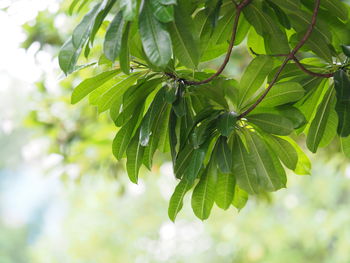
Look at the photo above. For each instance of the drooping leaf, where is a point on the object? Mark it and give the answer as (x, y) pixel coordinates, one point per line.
(240, 198)
(134, 154)
(225, 190)
(176, 200)
(226, 123)
(224, 156)
(68, 56)
(113, 38)
(155, 38)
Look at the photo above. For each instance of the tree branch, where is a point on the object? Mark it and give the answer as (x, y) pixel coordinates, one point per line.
(300, 65)
(239, 9)
(289, 57)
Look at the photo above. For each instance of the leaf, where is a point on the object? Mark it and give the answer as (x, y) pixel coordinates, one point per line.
(243, 168)
(345, 146)
(68, 57)
(90, 84)
(346, 50)
(271, 178)
(125, 134)
(155, 39)
(154, 112)
(176, 200)
(240, 198)
(185, 45)
(227, 123)
(319, 123)
(283, 93)
(224, 156)
(134, 154)
(253, 78)
(304, 163)
(164, 13)
(129, 9)
(124, 57)
(82, 31)
(284, 150)
(272, 123)
(113, 38)
(203, 196)
(225, 190)
(342, 86)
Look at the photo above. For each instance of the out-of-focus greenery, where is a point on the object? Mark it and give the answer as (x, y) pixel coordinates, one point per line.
(103, 218)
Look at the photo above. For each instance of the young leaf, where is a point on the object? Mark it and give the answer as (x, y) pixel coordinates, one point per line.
(271, 123)
(176, 200)
(113, 39)
(225, 190)
(155, 38)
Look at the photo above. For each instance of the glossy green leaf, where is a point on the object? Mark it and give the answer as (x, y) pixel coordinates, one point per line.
(284, 150)
(164, 13)
(90, 84)
(253, 78)
(134, 154)
(124, 57)
(319, 123)
(203, 196)
(129, 9)
(271, 177)
(68, 57)
(282, 93)
(271, 123)
(225, 190)
(155, 38)
(176, 200)
(113, 38)
(243, 168)
(185, 45)
(224, 156)
(226, 123)
(304, 164)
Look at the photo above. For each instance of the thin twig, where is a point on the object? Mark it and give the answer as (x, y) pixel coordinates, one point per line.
(299, 64)
(290, 56)
(239, 9)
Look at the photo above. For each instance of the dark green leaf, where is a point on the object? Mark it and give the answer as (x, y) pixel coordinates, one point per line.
(272, 123)
(226, 123)
(224, 156)
(134, 154)
(176, 200)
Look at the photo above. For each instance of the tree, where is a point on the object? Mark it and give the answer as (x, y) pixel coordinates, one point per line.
(227, 138)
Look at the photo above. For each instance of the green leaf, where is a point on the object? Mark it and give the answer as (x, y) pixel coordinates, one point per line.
(225, 190)
(346, 50)
(90, 84)
(176, 200)
(224, 156)
(164, 13)
(129, 9)
(283, 93)
(271, 177)
(185, 45)
(155, 38)
(319, 123)
(304, 164)
(125, 134)
(240, 198)
(82, 31)
(272, 123)
(253, 78)
(124, 57)
(134, 154)
(243, 168)
(227, 123)
(203, 196)
(168, 2)
(68, 57)
(113, 38)
(345, 146)
(152, 116)
(342, 86)
(284, 150)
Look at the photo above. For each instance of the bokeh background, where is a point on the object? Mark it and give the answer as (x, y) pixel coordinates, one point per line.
(63, 198)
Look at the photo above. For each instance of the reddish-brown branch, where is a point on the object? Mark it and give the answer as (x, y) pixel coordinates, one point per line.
(239, 9)
(290, 56)
(300, 65)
